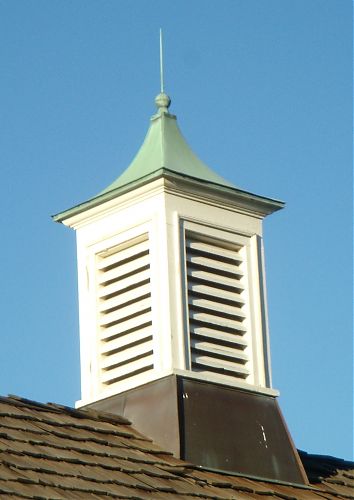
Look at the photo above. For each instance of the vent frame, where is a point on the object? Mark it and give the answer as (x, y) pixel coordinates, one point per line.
(215, 349)
(123, 297)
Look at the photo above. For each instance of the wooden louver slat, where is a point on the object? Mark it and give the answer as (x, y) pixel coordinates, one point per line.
(217, 320)
(124, 304)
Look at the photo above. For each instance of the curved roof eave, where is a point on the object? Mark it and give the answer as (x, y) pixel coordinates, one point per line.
(164, 152)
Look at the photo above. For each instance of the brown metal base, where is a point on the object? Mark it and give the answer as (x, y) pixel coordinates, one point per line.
(212, 425)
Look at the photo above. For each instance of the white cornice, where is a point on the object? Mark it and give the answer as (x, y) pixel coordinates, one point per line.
(233, 200)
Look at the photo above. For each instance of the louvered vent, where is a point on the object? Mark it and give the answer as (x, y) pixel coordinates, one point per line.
(217, 326)
(125, 323)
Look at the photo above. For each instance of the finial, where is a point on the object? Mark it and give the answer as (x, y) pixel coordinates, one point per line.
(162, 101)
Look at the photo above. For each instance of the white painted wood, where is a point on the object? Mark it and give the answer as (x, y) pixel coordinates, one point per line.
(138, 322)
(126, 355)
(126, 312)
(217, 321)
(213, 306)
(223, 261)
(221, 351)
(210, 279)
(125, 254)
(124, 269)
(214, 250)
(214, 265)
(216, 293)
(136, 284)
(124, 283)
(219, 337)
(221, 366)
(127, 370)
(127, 339)
(120, 299)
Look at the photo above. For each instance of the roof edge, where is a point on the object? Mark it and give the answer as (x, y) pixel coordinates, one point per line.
(272, 204)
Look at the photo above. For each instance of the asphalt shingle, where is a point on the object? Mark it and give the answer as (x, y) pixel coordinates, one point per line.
(54, 452)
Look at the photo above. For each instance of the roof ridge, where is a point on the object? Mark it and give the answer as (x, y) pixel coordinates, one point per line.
(330, 458)
(20, 401)
(93, 414)
(58, 408)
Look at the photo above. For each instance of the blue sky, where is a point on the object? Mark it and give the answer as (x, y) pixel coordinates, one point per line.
(262, 91)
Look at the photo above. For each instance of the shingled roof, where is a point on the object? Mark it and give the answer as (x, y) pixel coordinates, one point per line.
(49, 451)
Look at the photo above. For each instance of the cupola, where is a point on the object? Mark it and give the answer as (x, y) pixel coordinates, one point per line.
(173, 309)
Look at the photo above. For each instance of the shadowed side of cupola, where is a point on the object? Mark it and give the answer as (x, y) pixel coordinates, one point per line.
(173, 314)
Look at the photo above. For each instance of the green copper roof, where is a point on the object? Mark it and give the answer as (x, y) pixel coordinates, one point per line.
(165, 148)
(165, 152)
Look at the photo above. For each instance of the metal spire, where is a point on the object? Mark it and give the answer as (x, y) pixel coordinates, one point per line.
(161, 63)
(162, 101)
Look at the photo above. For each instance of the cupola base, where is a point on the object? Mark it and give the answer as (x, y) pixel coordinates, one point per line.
(212, 426)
